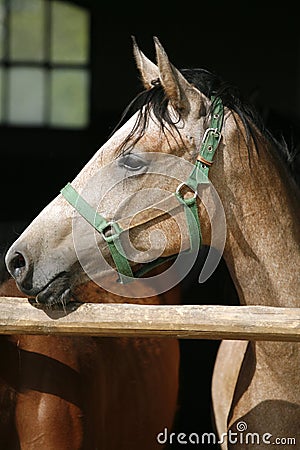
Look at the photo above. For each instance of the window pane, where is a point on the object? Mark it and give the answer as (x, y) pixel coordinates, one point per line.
(26, 29)
(69, 37)
(26, 96)
(69, 104)
(2, 22)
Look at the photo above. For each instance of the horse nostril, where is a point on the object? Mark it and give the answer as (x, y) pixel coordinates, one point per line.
(21, 269)
(16, 264)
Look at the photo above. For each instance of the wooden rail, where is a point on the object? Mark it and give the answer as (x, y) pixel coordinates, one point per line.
(18, 316)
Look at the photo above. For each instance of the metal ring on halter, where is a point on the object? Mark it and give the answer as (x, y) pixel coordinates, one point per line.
(112, 227)
(179, 188)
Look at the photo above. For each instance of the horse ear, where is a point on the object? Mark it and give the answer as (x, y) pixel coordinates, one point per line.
(148, 70)
(182, 95)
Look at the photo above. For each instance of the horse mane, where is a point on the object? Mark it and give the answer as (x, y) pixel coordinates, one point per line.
(211, 85)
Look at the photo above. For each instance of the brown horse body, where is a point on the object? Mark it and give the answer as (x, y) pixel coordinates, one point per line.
(86, 393)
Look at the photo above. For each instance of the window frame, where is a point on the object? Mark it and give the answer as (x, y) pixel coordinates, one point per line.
(46, 65)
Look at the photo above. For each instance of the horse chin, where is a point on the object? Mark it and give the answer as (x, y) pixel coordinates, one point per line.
(56, 294)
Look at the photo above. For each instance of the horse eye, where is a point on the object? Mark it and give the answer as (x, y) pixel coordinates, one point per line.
(132, 162)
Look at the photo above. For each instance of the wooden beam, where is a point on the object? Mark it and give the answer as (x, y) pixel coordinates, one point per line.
(18, 316)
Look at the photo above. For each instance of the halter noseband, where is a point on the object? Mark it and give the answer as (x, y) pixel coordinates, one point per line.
(199, 175)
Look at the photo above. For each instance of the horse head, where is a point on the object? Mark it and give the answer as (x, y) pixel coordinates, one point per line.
(137, 201)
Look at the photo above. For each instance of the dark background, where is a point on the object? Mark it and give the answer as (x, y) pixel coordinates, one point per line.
(252, 44)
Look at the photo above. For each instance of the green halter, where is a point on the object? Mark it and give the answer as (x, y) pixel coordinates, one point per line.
(199, 175)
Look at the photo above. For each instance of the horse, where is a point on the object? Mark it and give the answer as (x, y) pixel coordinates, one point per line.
(190, 164)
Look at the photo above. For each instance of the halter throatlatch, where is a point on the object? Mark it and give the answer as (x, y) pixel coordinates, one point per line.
(186, 194)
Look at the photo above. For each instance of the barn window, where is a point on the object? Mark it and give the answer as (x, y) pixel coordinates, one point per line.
(44, 63)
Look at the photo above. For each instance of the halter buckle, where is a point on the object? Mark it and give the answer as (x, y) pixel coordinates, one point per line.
(216, 133)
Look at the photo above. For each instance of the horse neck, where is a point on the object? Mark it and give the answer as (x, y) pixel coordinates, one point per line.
(260, 201)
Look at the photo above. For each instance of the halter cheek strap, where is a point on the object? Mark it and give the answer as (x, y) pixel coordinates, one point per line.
(111, 230)
(209, 145)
